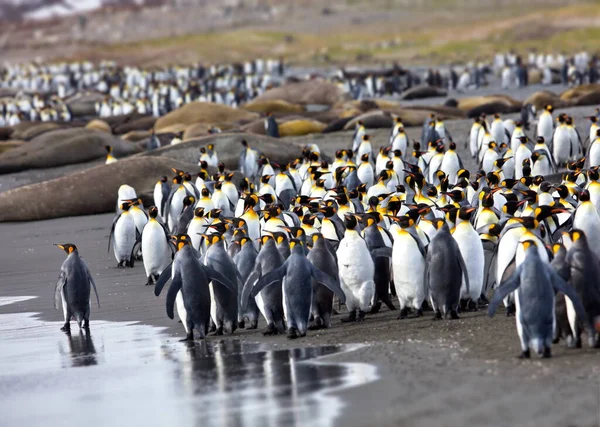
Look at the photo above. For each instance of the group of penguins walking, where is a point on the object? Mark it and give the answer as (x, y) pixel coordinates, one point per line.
(286, 241)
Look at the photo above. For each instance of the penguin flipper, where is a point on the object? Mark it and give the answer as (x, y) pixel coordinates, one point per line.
(463, 267)
(329, 282)
(163, 279)
(91, 280)
(559, 284)
(62, 281)
(215, 276)
(172, 293)
(254, 276)
(112, 230)
(503, 291)
(268, 279)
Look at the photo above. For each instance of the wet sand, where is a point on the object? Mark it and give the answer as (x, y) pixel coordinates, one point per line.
(432, 373)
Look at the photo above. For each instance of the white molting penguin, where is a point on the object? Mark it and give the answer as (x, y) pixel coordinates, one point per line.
(296, 275)
(155, 247)
(124, 237)
(73, 289)
(356, 270)
(534, 283)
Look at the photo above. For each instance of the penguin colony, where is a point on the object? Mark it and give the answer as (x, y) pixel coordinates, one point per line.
(286, 242)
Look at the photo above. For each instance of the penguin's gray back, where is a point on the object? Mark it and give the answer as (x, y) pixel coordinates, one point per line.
(194, 286)
(444, 274)
(226, 301)
(77, 288)
(297, 290)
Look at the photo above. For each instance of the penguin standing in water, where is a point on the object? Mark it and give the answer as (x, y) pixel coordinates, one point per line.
(269, 301)
(584, 276)
(74, 289)
(155, 247)
(124, 237)
(444, 271)
(190, 288)
(322, 258)
(296, 276)
(534, 283)
(224, 302)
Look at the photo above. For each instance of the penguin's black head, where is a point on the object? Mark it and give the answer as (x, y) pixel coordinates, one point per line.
(189, 201)
(593, 174)
(523, 139)
(584, 196)
(203, 164)
(364, 157)
(316, 237)
(125, 206)
(546, 211)
(309, 220)
(67, 247)
(529, 244)
(221, 167)
(182, 240)
(465, 213)
(218, 185)
(545, 186)
(350, 221)
(215, 213)
(205, 192)
(266, 239)
(202, 150)
(199, 212)
(578, 236)
(153, 212)
(244, 143)
(296, 246)
(108, 149)
(163, 179)
(178, 172)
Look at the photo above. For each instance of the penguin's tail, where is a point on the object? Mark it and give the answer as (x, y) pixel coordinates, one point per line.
(79, 318)
(537, 344)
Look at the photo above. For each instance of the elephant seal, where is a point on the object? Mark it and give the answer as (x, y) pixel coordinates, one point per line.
(84, 104)
(135, 124)
(204, 112)
(301, 127)
(100, 125)
(423, 91)
(542, 98)
(272, 106)
(372, 120)
(63, 147)
(306, 92)
(87, 192)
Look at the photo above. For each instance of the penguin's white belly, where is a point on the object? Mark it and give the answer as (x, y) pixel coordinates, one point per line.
(181, 311)
(356, 270)
(595, 154)
(561, 147)
(196, 226)
(450, 166)
(471, 250)
(408, 267)
(155, 249)
(587, 219)
(261, 306)
(213, 305)
(64, 304)
(507, 246)
(286, 309)
(124, 237)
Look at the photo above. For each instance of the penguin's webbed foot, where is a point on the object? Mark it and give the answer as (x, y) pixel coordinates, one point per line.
(361, 316)
(454, 315)
(510, 310)
(351, 317)
(316, 324)
(472, 305)
(525, 354)
(438, 315)
(376, 307)
(419, 312)
(218, 331)
(271, 330)
(66, 328)
(403, 313)
(241, 324)
(293, 333)
(547, 354)
(483, 301)
(189, 337)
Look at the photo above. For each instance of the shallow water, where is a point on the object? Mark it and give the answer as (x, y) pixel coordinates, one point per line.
(131, 374)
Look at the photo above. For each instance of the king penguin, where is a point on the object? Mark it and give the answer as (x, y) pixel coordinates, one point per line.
(534, 283)
(444, 272)
(74, 289)
(155, 247)
(322, 257)
(124, 237)
(296, 276)
(245, 260)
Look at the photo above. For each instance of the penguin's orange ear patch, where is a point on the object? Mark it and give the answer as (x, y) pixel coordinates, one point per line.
(575, 236)
(180, 245)
(71, 249)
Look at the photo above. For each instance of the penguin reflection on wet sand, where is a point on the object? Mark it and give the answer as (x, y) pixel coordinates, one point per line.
(534, 283)
(74, 289)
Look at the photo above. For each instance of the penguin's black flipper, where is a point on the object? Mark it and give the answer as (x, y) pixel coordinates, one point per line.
(329, 282)
(559, 284)
(62, 281)
(163, 279)
(172, 294)
(91, 279)
(215, 276)
(503, 291)
(271, 277)
(112, 230)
